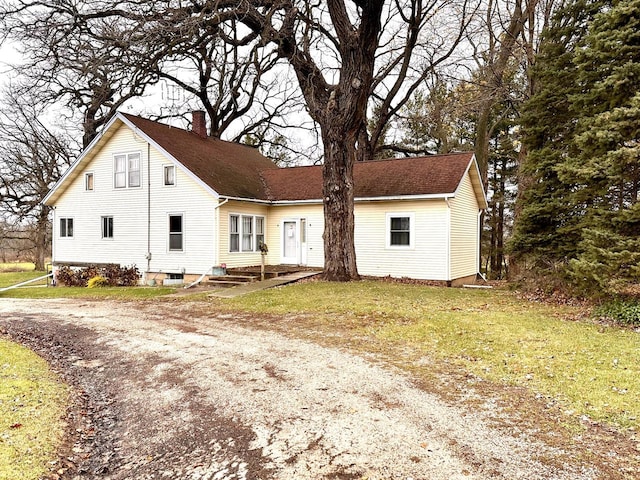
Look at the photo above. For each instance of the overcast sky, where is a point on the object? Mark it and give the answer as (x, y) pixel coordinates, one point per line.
(8, 56)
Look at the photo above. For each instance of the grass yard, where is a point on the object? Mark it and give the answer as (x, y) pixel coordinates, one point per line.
(9, 278)
(589, 369)
(32, 405)
(102, 293)
(550, 367)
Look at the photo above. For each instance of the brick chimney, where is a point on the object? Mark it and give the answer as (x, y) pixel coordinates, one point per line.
(199, 123)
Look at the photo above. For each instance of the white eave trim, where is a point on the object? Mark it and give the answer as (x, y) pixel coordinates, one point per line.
(397, 198)
(296, 202)
(251, 200)
(435, 196)
(166, 154)
(75, 164)
(474, 162)
(119, 116)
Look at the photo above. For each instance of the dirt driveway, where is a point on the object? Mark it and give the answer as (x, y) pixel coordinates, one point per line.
(163, 395)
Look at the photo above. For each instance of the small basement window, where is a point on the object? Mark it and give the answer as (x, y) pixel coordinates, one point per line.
(173, 279)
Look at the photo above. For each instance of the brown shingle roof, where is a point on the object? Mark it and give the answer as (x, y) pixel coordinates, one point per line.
(240, 171)
(228, 168)
(433, 175)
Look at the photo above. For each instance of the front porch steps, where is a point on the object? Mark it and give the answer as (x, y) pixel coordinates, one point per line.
(230, 280)
(248, 275)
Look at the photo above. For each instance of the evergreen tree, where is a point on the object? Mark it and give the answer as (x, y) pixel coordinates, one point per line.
(547, 229)
(607, 169)
(579, 201)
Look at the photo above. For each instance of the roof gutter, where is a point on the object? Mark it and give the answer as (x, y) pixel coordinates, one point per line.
(241, 199)
(431, 196)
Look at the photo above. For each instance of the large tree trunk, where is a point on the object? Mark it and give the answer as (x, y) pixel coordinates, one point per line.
(41, 238)
(338, 192)
(340, 110)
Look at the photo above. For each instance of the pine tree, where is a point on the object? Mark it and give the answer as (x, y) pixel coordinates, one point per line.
(548, 225)
(580, 205)
(607, 170)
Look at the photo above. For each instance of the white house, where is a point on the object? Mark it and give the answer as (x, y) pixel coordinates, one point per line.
(176, 202)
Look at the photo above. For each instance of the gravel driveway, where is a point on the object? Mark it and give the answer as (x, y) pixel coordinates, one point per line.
(164, 395)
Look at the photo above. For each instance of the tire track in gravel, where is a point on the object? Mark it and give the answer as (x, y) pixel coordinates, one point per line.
(201, 398)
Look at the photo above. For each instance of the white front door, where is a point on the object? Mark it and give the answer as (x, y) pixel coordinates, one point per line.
(290, 246)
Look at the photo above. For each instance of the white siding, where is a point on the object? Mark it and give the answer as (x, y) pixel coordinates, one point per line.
(129, 209)
(426, 259)
(314, 215)
(464, 231)
(445, 237)
(241, 259)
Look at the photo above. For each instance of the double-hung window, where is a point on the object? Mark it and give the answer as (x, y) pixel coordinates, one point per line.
(400, 230)
(66, 227)
(126, 170)
(259, 232)
(246, 232)
(234, 233)
(107, 227)
(176, 233)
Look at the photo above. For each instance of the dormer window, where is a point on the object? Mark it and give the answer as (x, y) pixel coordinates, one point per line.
(126, 170)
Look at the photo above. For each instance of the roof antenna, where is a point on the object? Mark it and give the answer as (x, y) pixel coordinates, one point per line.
(174, 96)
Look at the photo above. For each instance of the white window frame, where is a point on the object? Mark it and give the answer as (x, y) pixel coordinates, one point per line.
(259, 232)
(234, 233)
(165, 169)
(242, 236)
(66, 221)
(87, 183)
(412, 229)
(127, 172)
(247, 238)
(104, 227)
(181, 233)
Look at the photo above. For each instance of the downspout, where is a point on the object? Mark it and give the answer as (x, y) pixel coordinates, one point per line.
(53, 237)
(216, 244)
(148, 255)
(479, 245)
(448, 241)
(216, 210)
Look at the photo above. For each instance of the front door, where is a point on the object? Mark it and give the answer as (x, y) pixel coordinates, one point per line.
(290, 247)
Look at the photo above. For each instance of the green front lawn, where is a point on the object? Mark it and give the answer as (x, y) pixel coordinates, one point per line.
(32, 406)
(102, 293)
(589, 369)
(8, 279)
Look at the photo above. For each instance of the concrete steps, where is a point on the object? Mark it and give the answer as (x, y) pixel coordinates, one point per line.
(230, 280)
